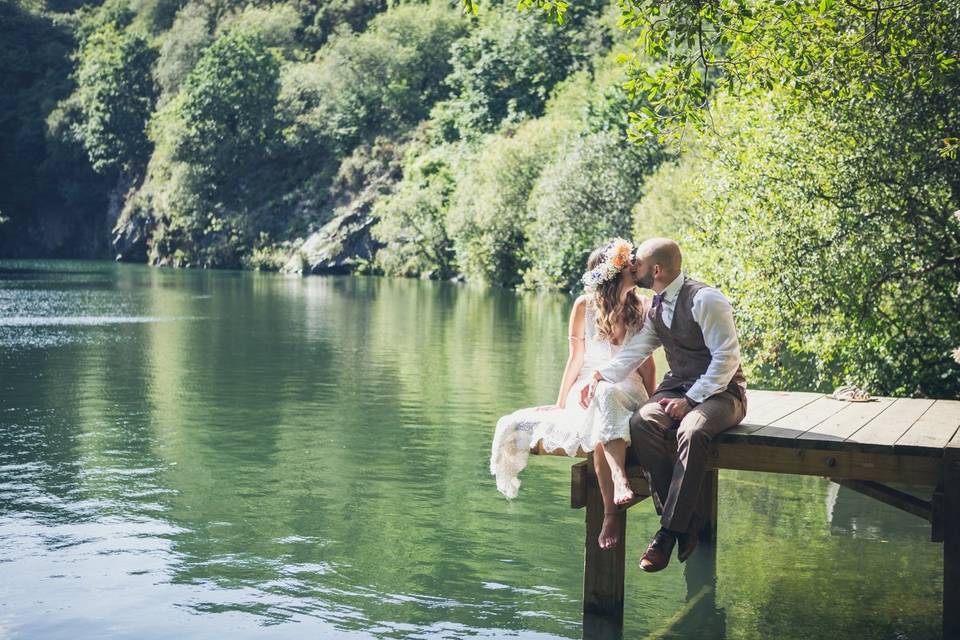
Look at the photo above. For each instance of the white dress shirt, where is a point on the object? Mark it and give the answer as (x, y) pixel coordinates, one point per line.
(712, 311)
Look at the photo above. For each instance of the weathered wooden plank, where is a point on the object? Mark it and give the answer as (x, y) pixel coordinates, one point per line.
(759, 397)
(857, 465)
(709, 494)
(886, 428)
(784, 406)
(845, 422)
(760, 416)
(579, 477)
(951, 541)
(785, 430)
(603, 570)
(934, 429)
(756, 399)
(936, 511)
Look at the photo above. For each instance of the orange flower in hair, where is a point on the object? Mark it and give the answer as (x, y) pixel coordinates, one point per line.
(616, 255)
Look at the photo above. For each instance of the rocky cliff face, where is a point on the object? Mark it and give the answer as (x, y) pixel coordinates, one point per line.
(129, 239)
(344, 242)
(338, 247)
(130, 224)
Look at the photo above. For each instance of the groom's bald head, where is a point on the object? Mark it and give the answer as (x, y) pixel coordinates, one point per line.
(661, 251)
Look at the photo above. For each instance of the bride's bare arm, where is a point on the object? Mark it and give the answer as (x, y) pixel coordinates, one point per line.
(648, 371)
(576, 336)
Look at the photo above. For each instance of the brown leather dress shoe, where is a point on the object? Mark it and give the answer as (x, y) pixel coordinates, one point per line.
(657, 555)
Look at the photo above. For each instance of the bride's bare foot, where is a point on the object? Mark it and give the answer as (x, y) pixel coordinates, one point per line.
(622, 493)
(610, 531)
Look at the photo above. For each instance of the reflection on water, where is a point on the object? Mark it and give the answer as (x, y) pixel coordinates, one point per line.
(62, 321)
(190, 454)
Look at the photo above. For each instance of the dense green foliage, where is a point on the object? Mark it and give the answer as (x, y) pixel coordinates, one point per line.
(842, 257)
(45, 180)
(491, 215)
(822, 191)
(504, 70)
(524, 205)
(114, 98)
(223, 117)
(803, 151)
(383, 80)
(823, 52)
(597, 173)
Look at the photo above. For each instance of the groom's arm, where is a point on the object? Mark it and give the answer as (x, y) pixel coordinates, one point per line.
(637, 349)
(712, 311)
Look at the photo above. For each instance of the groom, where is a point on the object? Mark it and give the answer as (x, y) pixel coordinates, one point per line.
(702, 394)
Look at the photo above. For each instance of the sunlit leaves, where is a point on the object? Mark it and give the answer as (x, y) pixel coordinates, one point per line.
(831, 233)
(115, 96)
(555, 10)
(821, 50)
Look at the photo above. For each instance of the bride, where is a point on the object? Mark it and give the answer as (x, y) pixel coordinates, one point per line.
(603, 319)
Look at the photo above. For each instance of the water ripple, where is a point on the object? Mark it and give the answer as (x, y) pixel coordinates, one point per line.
(85, 321)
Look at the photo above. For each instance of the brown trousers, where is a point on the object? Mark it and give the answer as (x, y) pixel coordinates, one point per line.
(673, 453)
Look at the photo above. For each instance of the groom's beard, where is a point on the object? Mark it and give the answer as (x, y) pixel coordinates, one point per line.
(645, 281)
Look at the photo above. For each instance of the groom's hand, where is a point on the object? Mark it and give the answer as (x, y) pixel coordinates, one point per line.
(589, 390)
(676, 408)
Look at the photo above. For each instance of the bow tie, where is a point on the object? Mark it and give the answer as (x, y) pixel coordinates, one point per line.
(658, 299)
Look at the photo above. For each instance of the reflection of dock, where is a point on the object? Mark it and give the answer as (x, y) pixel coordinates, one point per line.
(851, 514)
(861, 446)
(699, 617)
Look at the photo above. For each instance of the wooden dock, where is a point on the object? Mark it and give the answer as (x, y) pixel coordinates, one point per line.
(859, 445)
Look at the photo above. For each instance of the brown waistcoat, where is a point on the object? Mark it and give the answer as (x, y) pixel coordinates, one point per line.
(687, 355)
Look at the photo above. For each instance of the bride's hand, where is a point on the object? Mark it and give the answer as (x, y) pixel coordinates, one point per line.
(587, 393)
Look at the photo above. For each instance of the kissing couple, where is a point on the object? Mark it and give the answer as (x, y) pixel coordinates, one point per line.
(608, 400)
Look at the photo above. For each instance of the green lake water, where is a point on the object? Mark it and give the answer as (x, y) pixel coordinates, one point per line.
(225, 454)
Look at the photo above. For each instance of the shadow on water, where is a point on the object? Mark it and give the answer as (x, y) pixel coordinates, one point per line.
(698, 616)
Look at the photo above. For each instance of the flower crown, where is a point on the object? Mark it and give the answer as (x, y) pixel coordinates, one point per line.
(616, 255)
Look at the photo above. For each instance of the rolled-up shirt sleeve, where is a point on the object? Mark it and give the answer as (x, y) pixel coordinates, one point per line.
(637, 349)
(712, 311)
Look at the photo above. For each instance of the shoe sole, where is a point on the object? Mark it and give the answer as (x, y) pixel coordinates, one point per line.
(653, 569)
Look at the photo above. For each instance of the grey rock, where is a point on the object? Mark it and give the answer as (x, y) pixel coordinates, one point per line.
(338, 247)
(345, 242)
(130, 239)
(130, 216)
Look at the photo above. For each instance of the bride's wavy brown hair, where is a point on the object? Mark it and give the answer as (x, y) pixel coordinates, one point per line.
(606, 304)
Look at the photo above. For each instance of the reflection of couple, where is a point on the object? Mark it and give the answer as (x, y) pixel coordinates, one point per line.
(607, 400)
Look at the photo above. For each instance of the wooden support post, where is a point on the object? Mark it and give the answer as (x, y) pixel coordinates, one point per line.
(579, 479)
(603, 570)
(708, 506)
(936, 515)
(951, 542)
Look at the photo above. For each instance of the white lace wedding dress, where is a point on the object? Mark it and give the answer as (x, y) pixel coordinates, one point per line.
(571, 428)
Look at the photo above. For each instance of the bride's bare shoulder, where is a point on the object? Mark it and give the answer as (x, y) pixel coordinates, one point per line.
(579, 308)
